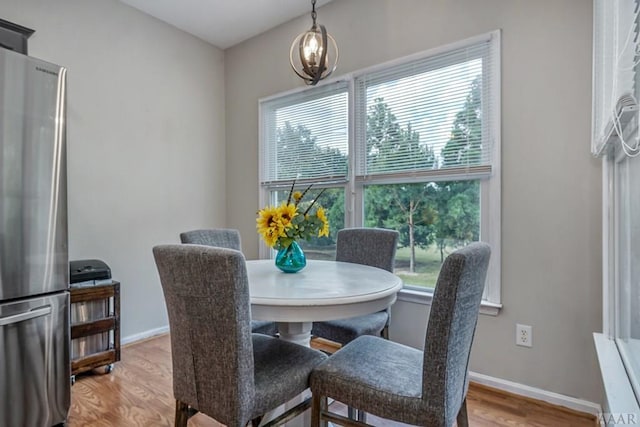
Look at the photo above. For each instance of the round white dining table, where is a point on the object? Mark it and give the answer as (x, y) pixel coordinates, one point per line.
(323, 290)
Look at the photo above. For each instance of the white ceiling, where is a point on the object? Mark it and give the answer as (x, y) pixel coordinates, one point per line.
(224, 23)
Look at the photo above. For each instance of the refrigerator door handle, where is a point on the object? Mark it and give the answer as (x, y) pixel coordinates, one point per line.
(20, 317)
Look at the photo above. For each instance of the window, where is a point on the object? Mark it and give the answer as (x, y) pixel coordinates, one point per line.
(412, 145)
(622, 263)
(615, 137)
(304, 136)
(628, 266)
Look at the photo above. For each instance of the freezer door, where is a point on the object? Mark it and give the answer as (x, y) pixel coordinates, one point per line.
(35, 373)
(33, 196)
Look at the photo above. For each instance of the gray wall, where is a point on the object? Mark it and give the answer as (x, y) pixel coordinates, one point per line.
(551, 189)
(146, 140)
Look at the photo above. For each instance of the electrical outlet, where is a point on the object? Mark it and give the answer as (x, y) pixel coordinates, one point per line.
(524, 336)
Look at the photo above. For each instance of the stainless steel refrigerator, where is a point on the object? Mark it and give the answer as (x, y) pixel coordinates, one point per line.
(35, 375)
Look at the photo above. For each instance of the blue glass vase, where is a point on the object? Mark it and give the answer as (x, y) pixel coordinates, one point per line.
(291, 259)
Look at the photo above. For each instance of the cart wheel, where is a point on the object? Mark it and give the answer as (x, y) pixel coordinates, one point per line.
(103, 370)
(73, 379)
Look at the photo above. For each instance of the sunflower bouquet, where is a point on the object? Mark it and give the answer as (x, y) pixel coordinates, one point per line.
(293, 220)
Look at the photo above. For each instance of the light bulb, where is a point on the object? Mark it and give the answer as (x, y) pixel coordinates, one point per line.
(312, 49)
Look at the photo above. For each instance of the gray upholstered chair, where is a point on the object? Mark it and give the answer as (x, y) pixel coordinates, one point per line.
(375, 247)
(220, 237)
(226, 238)
(394, 381)
(219, 367)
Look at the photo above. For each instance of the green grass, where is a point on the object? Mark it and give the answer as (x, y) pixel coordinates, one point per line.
(427, 263)
(427, 266)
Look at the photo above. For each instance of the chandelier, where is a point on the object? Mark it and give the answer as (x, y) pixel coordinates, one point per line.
(314, 53)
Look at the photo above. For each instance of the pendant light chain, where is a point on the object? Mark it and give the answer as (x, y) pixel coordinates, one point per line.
(313, 12)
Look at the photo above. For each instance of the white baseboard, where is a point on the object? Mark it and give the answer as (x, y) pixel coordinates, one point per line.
(537, 393)
(146, 334)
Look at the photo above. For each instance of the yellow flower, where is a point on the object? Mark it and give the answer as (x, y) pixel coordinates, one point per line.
(270, 237)
(324, 231)
(279, 226)
(265, 218)
(267, 225)
(286, 214)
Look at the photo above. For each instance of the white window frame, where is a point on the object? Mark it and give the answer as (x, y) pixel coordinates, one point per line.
(620, 397)
(490, 186)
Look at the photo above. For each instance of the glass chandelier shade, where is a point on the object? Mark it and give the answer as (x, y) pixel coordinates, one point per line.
(314, 53)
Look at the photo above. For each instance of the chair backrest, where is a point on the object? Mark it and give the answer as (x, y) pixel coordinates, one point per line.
(452, 323)
(220, 237)
(375, 247)
(207, 296)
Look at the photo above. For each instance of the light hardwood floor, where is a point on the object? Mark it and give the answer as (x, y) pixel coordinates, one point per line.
(138, 393)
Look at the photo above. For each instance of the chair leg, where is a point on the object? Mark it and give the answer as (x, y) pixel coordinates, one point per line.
(356, 414)
(352, 413)
(316, 407)
(462, 418)
(182, 414)
(324, 406)
(361, 416)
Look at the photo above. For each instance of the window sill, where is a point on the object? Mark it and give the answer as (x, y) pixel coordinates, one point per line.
(620, 399)
(425, 297)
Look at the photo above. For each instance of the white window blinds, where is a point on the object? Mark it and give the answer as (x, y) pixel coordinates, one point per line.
(615, 56)
(305, 136)
(436, 110)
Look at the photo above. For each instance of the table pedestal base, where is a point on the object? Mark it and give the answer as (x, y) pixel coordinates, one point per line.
(297, 332)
